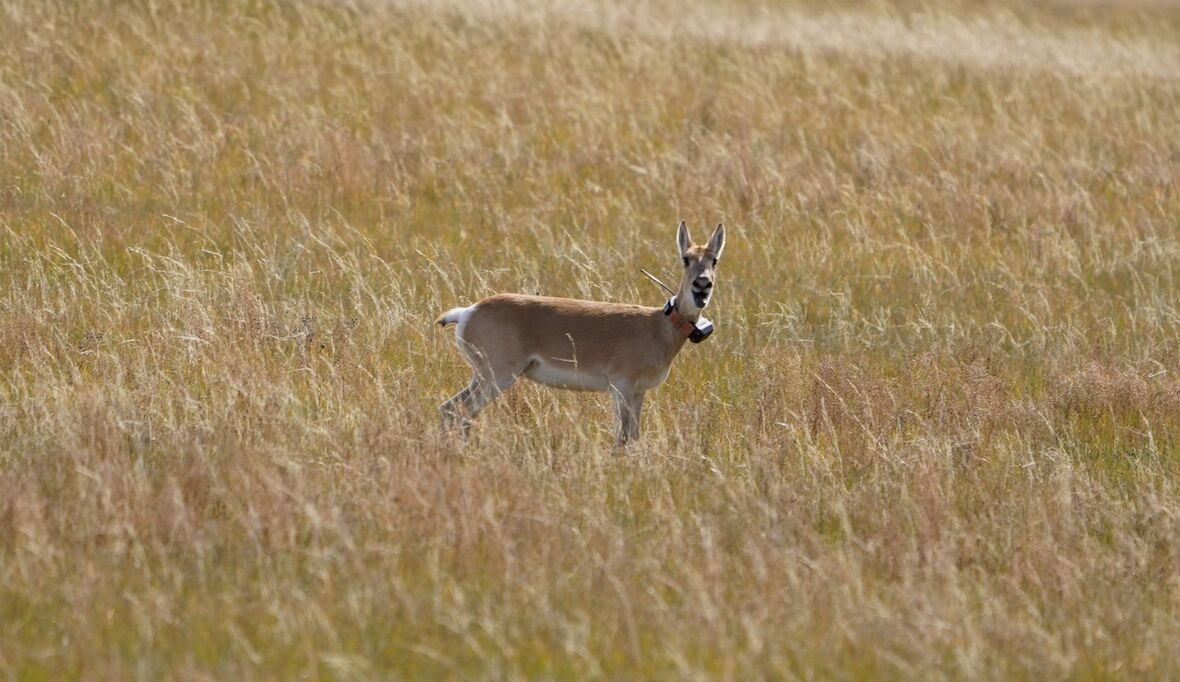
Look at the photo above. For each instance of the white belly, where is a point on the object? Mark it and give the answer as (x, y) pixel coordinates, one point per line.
(565, 375)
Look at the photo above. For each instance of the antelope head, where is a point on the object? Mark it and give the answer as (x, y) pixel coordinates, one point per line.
(700, 265)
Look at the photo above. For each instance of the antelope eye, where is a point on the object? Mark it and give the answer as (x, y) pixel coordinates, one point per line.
(714, 262)
(686, 261)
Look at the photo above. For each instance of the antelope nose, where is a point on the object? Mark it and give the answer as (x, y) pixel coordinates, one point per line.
(702, 283)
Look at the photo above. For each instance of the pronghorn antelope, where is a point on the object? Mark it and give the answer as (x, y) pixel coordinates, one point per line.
(581, 345)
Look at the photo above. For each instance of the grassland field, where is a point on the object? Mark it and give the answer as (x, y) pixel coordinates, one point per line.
(934, 436)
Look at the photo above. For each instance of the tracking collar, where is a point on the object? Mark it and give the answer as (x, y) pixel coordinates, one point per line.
(695, 332)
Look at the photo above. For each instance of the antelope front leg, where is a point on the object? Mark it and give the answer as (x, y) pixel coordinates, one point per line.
(635, 406)
(628, 404)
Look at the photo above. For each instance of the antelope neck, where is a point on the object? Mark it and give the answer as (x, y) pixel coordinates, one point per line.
(681, 323)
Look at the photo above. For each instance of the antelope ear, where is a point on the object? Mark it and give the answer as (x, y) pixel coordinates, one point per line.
(682, 239)
(717, 241)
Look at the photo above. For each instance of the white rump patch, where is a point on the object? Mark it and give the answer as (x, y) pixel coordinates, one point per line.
(455, 315)
(460, 316)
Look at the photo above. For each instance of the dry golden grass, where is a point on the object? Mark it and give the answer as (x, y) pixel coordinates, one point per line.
(935, 435)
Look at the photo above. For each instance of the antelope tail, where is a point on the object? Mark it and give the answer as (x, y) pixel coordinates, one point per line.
(452, 316)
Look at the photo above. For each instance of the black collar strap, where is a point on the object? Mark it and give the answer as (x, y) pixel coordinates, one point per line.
(695, 332)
